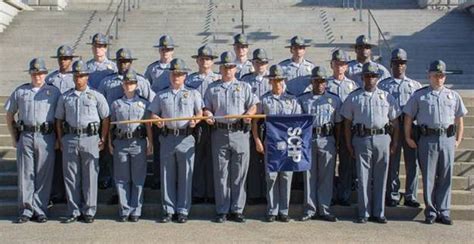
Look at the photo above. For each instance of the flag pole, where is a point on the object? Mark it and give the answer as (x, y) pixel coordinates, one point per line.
(233, 116)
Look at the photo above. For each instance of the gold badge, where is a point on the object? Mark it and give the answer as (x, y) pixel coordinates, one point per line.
(227, 59)
(186, 95)
(165, 43)
(351, 86)
(381, 96)
(439, 67)
(308, 69)
(410, 84)
(141, 105)
(288, 102)
(123, 54)
(109, 66)
(37, 66)
(237, 88)
(62, 51)
(450, 96)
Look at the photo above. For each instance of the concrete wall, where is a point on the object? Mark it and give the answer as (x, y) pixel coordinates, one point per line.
(438, 3)
(8, 10)
(47, 4)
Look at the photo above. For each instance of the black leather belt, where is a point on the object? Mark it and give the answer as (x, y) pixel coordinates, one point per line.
(44, 128)
(373, 132)
(91, 129)
(325, 130)
(136, 134)
(230, 126)
(177, 132)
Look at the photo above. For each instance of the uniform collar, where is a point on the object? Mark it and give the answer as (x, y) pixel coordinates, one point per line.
(228, 84)
(79, 93)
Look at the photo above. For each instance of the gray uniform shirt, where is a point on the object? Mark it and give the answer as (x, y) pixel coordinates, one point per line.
(354, 72)
(272, 104)
(171, 103)
(225, 98)
(400, 89)
(243, 68)
(372, 109)
(158, 74)
(435, 109)
(100, 71)
(325, 107)
(258, 83)
(200, 82)
(129, 109)
(111, 88)
(293, 70)
(341, 87)
(34, 106)
(79, 109)
(64, 82)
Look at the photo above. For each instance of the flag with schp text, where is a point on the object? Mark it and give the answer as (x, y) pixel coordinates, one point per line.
(288, 142)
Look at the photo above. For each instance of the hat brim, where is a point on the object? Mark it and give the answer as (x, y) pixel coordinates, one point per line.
(66, 56)
(314, 78)
(438, 72)
(272, 77)
(244, 44)
(114, 59)
(159, 46)
(264, 60)
(371, 73)
(93, 43)
(209, 56)
(87, 72)
(304, 45)
(180, 70)
(37, 71)
(225, 64)
(367, 44)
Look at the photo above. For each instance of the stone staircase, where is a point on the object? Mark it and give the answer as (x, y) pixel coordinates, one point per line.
(425, 34)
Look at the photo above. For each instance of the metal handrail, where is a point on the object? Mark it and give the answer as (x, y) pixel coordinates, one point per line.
(371, 17)
(115, 19)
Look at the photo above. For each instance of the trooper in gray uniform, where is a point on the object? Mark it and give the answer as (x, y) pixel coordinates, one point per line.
(339, 84)
(230, 138)
(363, 50)
(157, 74)
(100, 66)
(297, 65)
(203, 183)
(439, 113)
(256, 189)
(298, 73)
(111, 86)
(61, 79)
(370, 111)
(79, 114)
(325, 106)
(241, 49)
(130, 144)
(33, 136)
(177, 142)
(276, 102)
(401, 88)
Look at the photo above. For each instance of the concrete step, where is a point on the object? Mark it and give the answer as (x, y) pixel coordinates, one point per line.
(458, 197)
(207, 211)
(459, 169)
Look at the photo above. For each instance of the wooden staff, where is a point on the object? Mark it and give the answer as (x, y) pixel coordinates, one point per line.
(235, 116)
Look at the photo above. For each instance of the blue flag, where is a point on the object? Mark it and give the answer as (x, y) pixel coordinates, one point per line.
(288, 142)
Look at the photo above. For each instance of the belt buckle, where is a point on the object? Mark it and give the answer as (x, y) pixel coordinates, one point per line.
(176, 132)
(79, 131)
(129, 135)
(229, 126)
(373, 132)
(37, 128)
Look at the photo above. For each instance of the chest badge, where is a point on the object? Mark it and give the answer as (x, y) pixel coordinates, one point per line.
(450, 96)
(330, 100)
(381, 96)
(186, 94)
